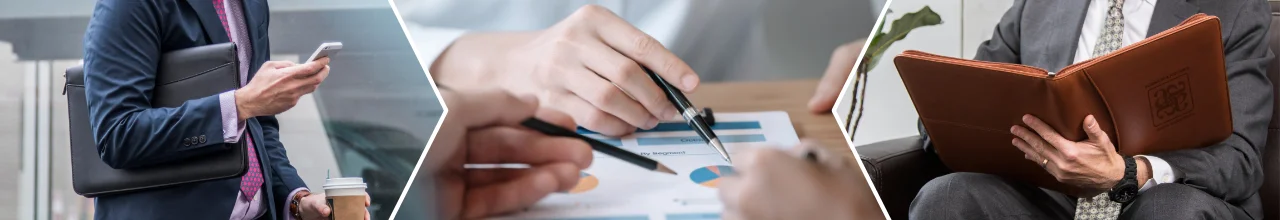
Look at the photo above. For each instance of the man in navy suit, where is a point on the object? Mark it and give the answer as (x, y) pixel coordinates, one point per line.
(123, 45)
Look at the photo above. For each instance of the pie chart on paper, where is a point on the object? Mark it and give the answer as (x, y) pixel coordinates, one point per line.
(709, 176)
(586, 182)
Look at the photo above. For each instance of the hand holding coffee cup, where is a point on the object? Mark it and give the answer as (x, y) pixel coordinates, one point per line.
(343, 199)
(347, 198)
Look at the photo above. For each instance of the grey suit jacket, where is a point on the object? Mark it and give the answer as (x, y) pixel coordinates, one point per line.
(1044, 33)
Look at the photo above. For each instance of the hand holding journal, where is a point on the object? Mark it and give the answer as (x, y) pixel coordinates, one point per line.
(1165, 93)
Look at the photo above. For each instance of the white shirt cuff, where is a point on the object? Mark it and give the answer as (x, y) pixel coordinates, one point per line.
(232, 127)
(429, 42)
(1161, 172)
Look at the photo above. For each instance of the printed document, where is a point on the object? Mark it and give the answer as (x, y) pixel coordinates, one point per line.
(615, 190)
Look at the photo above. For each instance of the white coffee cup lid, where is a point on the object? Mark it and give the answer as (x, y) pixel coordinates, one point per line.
(344, 183)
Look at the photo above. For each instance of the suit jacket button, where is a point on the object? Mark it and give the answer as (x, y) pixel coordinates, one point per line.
(202, 140)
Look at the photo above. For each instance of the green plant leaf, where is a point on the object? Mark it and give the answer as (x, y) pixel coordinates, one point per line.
(898, 31)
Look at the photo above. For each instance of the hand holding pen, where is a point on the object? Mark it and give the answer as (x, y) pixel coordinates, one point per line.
(484, 128)
(587, 65)
(690, 113)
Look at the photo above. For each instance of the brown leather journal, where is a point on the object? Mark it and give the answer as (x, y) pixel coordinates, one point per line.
(1165, 93)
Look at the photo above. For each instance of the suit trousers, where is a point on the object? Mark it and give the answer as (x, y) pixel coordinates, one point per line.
(985, 196)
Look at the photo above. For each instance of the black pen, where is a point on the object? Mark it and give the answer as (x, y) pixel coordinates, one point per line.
(597, 145)
(690, 113)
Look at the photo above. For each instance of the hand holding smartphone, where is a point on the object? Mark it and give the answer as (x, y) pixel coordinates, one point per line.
(326, 50)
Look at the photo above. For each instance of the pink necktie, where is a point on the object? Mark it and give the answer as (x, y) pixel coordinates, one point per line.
(252, 180)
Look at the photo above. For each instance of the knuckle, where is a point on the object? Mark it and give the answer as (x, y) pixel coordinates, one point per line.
(605, 96)
(563, 39)
(619, 73)
(644, 45)
(545, 74)
(1070, 156)
(594, 119)
(668, 67)
(586, 13)
(659, 103)
(584, 155)
(566, 57)
(618, 78)
(591, 9)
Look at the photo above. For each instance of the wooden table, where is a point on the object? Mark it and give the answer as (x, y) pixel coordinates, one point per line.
(790, 96)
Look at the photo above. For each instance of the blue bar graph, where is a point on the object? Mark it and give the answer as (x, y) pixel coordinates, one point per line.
(610, 141)
(738, 138)
(637, 217)
(681, 126)
(694, 216)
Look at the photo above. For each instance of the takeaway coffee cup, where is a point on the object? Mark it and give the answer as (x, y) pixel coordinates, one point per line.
(346, 197)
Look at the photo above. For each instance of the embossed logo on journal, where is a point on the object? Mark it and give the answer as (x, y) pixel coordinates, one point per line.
(1170, 100)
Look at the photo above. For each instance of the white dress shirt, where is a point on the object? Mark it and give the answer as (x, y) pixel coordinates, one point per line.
(1137, 18)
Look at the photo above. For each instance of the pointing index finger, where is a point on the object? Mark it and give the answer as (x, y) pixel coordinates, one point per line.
(626, 39)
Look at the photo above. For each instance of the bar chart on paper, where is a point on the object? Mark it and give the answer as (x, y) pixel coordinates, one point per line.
(612, 189)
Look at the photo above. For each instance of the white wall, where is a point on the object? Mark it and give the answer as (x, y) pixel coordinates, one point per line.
(888, 111)
(11, 95)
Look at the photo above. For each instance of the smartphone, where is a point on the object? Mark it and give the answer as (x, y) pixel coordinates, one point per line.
(326, 50)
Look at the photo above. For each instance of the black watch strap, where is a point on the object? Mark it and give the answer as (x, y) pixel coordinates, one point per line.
(1127, 188)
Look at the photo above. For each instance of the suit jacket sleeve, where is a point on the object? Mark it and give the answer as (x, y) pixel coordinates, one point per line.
(1002, 47)
(1232, 170)
(122, 50)
(287, 178)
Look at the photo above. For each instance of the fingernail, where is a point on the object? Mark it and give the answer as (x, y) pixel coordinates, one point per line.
(1090, 121)
(653, 122)
(690, 81)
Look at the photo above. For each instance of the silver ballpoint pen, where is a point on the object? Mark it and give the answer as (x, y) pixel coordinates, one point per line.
(690, 114)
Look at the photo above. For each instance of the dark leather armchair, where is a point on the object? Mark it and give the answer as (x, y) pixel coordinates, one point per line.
(899, 168)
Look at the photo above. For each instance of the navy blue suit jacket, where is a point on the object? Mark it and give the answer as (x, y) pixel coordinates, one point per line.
(123, 45)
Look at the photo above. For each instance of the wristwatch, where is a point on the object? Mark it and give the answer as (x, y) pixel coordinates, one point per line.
(1127, 188)
(295, 203)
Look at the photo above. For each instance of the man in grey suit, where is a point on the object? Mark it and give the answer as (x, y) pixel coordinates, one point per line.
(1219, 181)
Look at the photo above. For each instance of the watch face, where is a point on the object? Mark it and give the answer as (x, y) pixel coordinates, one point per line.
(1124, 193)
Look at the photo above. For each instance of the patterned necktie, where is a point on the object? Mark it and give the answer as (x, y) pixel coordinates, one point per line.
(252, 180)
(1112, 34)
(1101, 207)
